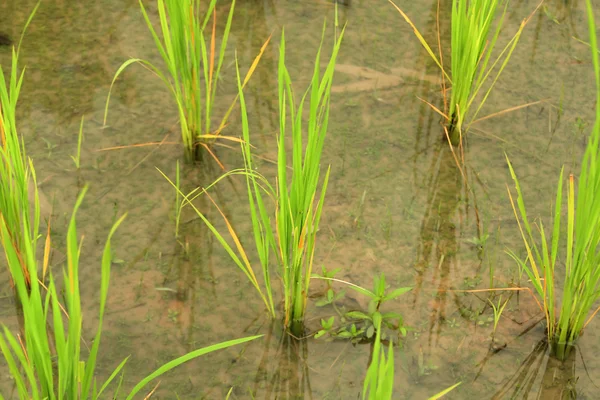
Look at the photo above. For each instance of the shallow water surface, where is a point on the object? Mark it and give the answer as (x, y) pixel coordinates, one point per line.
(396, 204)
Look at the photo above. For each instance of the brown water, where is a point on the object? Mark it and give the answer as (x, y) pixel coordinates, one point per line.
(415, 224)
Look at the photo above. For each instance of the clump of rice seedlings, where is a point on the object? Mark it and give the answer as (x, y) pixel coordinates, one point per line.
(298, 196)
(472, 44)
(46, 361)
(15, 168)
(189, 51)
(299, 205)
(379, 380)
(192, 75)
(581, 252)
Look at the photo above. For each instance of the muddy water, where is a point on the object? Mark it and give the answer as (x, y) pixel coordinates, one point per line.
(396, 203)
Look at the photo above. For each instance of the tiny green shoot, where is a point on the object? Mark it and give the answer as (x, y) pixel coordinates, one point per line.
(77, 157)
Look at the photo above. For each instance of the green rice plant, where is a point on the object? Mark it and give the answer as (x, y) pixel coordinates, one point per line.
(298, 199)
(15, 169)
(379, 380)
(46, 361)
(190, 60)
(297, 215)
(193, 68)
(472, 44)
(581, 287)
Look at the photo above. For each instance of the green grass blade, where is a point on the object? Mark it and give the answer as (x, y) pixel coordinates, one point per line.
(105, 282)
(185, 358)
(111, 378)
(444, 392)
(422, 40)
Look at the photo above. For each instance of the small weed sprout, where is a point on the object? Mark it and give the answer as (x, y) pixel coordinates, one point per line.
(77, 157)
(498, 309)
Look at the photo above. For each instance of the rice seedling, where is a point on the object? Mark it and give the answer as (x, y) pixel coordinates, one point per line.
(297, 215)
(472, 45)
(193, 68)
(188, 59)
(566, 321)
(15, 168)
(379, 380)
(77, 157)
(298, 203)
(498, 310)
(46, 361)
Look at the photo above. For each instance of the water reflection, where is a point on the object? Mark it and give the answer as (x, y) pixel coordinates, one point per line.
(282, 371)
(196, 241)
(539, 372)
(251, 30)
(438, 243)
(429, 129)
(191, 260)
(563, 12)
(65, 58)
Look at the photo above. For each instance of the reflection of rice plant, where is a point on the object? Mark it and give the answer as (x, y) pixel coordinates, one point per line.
(193, 67)
(296, 198)
(47, 362)
(581, 288)
(472, 44)
(16, 171)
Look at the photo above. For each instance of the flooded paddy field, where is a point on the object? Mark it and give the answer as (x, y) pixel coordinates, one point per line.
(400, 201)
